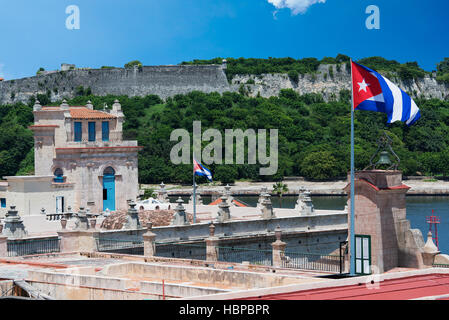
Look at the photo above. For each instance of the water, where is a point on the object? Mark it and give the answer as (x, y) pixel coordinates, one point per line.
(418, 208)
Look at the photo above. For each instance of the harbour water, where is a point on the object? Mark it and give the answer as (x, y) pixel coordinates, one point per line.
(418, 208)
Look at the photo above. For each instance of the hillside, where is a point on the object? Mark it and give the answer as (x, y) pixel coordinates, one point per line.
(253, 77)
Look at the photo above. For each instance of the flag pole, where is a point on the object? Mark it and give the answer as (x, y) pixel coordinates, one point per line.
(351, 230)
(194, 192)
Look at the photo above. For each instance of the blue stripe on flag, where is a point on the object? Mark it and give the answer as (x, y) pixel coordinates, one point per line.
(388, 96)
(406, 106)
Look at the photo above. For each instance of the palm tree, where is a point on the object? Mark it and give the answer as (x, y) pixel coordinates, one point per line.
(280, 188)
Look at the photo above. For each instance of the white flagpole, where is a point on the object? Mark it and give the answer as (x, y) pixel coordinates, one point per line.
(351, 230)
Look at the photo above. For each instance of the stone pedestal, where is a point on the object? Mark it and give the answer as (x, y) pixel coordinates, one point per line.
(223, 213)
(180, 216)
(132, 218)
(304, 203)
(278, 249)
(380, 212)
(212, 245)
(262, 195)
(14, 227)
(81, 220)
(78, 240)
(267, 207)
(3, 246)
(162, 194)
(149, 245)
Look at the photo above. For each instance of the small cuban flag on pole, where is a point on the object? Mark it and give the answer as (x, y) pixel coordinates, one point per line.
(201, 170)
(198, 170)
(373, 92)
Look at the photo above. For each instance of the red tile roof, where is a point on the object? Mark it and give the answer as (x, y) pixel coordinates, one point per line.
(85, 113)
(237, 203)
(82, 112)
(394, 289)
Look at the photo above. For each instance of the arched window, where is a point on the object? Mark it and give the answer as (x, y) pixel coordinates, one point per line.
(109, 171)
(59, 176)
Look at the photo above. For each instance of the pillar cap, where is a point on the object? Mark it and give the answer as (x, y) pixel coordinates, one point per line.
(430, 247)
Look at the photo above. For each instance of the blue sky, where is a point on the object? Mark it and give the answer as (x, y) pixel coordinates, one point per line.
(113, 32)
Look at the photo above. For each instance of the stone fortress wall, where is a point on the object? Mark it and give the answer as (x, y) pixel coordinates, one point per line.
(167, 81)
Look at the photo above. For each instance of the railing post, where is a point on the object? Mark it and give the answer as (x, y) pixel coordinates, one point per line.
(149, 245)
(278, 249)
(211, 245)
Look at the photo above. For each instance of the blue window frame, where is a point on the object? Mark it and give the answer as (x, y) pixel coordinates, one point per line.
(92, 131)
(105, 130)
(3, 202)
(59, 176)
(78, 131)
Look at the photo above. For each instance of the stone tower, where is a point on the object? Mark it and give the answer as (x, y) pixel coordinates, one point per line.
(380, 216)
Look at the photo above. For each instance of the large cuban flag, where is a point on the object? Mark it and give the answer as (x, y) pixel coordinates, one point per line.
(200, 170)
(374, 92)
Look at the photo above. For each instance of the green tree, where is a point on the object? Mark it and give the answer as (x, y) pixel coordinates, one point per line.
(133, 63)
(280, 188)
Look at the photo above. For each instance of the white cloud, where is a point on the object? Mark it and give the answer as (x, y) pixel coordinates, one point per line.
(296, 6)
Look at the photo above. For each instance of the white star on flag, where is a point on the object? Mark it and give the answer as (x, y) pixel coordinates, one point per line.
(363, 85)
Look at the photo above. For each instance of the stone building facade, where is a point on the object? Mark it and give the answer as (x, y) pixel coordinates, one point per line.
(81, 160)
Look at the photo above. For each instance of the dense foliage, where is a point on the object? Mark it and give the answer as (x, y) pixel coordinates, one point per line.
(314, 136)
(294, 67)
(443, 71)
(271, 65)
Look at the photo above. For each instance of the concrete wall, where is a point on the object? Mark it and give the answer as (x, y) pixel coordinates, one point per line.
(314, 223)
(32, 193)
(227, 278)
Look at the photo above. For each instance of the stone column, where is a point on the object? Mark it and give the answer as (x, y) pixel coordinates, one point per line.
(224, 214)
(278, 249)
(132, 219)
(267, 207)
(162, 193)
(90, 193)
(212, 245)
(3, 246)
(263, 191)
(149, 245)
(180, 216)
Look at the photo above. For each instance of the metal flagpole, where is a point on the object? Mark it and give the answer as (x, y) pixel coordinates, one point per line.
(351, 231)
(194, 192)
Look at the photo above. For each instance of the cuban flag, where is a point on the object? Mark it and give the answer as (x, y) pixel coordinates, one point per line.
(373, 92)
(200, 170)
